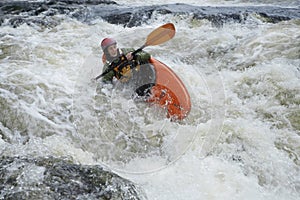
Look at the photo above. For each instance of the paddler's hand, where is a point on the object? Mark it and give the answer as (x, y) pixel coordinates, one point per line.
(129, 56)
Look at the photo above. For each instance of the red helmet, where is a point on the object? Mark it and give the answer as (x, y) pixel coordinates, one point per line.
(106, 42)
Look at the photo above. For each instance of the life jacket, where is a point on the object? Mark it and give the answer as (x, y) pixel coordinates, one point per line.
(122, 68)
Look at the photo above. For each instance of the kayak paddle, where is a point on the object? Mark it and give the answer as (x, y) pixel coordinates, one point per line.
(158, 36)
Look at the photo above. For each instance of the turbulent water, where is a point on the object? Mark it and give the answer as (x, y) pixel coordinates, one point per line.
(240, 141)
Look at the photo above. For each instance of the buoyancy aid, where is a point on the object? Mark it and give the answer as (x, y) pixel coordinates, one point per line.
(121, 66)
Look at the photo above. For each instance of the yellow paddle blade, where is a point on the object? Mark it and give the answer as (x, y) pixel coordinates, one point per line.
(161, 34)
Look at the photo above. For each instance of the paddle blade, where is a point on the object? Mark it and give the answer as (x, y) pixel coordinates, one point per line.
(161, 35)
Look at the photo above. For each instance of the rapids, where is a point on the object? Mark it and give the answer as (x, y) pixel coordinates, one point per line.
(240, 141)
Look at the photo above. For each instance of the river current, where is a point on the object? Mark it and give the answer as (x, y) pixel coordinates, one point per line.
(241, 139)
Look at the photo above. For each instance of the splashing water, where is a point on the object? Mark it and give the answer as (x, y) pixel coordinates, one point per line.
(240, 141)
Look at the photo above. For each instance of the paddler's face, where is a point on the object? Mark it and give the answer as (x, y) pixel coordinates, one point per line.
(113, 50)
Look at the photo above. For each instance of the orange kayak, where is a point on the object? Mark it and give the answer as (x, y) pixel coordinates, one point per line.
(169, 92)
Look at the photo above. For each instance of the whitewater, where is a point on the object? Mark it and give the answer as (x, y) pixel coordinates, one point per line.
(241, 139)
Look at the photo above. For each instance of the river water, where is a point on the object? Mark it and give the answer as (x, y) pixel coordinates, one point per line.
(240, 141)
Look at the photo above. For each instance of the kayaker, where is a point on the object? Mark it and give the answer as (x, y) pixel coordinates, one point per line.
(111, 54)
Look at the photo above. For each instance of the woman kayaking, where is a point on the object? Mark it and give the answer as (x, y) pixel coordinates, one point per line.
(146, 78)
(119, 59)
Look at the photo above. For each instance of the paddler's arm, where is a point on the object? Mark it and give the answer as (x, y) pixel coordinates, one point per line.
(107, 78)
(142, 57)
